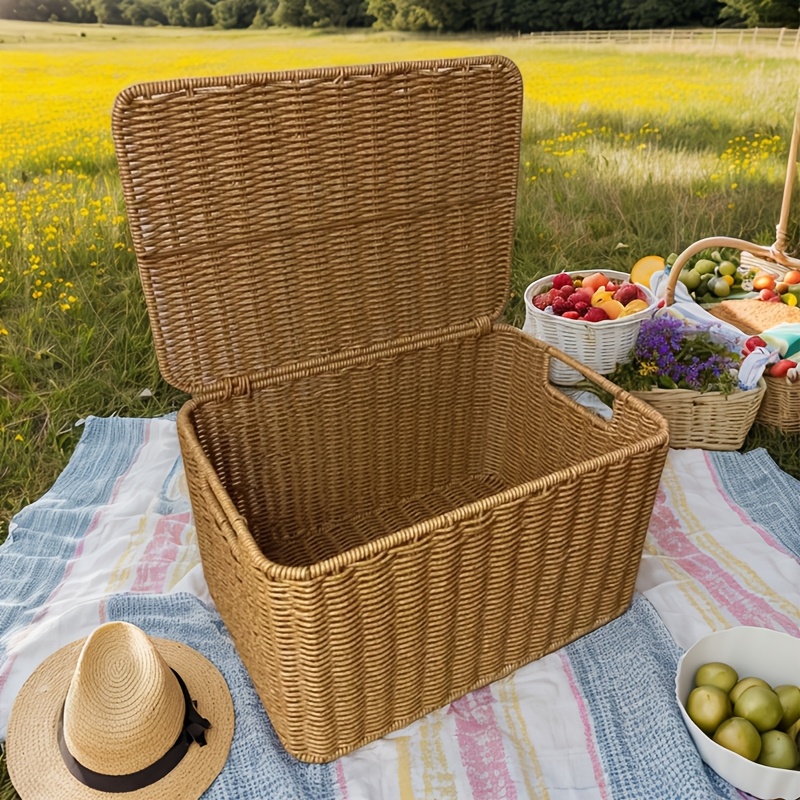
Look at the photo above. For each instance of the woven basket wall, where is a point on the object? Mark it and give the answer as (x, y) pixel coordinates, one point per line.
(393, 505)
(384, 537)
(780, 407)
(707, 420)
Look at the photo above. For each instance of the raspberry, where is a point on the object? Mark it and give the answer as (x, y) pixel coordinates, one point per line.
(551, 295)
(566, 291)
(561, 280)
(581, 307)
(540, 302)
(560, 306)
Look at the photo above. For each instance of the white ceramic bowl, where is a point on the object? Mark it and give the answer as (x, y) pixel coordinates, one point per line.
(759, 652)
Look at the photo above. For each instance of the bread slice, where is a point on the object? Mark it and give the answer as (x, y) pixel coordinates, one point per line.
(754, 316)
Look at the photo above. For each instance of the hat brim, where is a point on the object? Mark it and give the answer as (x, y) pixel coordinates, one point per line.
(34, 761)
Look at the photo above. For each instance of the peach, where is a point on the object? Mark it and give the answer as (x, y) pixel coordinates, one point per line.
(595, 281)
(612, 307)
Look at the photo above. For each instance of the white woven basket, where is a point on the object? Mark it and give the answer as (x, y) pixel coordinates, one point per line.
(599, 345)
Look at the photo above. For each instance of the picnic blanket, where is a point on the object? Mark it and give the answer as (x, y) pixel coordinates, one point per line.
(113, 539)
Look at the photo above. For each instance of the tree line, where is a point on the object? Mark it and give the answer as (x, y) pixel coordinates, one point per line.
(415, 15)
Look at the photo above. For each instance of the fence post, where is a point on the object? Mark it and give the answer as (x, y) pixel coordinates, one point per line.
(796, 41)
(755, 35)
(780, 38)
(714, 40)
(741, 37)
(671, 37)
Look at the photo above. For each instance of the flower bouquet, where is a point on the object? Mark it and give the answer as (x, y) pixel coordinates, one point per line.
(692, 380)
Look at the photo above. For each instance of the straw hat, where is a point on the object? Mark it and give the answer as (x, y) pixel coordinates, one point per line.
(107, 717)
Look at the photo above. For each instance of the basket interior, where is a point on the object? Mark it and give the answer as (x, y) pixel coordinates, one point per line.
(326, 462)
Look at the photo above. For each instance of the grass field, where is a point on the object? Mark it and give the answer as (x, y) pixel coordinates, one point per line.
(625, 153)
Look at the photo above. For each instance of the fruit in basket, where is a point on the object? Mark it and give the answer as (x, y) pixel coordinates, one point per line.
(780, 368)
(690, 278)
(634, 307)
(792, 277)
(705, 266)
(708, 707)
(562, 280)
(739, 735)
(763, 280)
(744, 684)
(595, 281)
(778, 750)
(760, 706)
(595, 314)
(753, 342)
(573, 298)
(627, 293)
(717, 673)
(601, 296)
(790, 701)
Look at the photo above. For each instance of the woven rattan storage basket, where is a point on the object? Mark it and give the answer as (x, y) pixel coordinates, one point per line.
(780, 407)
(393, 505)
(707, 420)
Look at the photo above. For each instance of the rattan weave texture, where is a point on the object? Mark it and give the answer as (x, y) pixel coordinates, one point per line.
(780, 407)
(393, 504)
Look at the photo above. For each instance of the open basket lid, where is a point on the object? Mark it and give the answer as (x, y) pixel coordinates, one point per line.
(286, 216)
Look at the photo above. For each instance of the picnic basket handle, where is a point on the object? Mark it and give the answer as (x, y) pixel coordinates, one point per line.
(775, 252)
(589, 374)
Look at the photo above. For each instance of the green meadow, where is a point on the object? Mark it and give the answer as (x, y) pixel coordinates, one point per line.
(626, 152)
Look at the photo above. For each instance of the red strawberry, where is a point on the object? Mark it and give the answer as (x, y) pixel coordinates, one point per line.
(571, 315)
(595, 314)
(561, 280)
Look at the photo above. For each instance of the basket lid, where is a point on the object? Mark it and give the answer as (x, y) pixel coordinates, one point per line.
(286, 216)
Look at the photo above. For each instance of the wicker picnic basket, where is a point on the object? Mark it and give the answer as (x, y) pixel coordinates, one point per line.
(779, 406)
(706, 420)
(393, 505)
(599, 345)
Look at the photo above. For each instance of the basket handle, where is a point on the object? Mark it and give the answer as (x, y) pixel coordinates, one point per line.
(590, 375)
(775, 252)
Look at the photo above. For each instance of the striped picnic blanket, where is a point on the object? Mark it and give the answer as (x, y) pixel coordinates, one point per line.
(114, 539)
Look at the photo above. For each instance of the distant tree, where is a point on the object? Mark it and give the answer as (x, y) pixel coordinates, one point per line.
(43, 10)
(107, 12)
(337, 13)
(138, 12)
(383, 12)
(754, 13)
(235, 13)
(197, 13)
(291, 13)
(424, 15)
(489, 15)
(672, 13)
